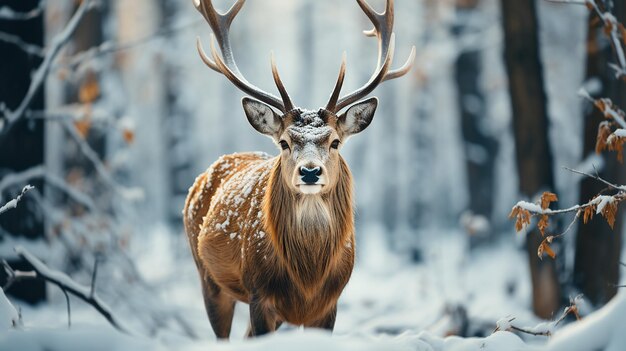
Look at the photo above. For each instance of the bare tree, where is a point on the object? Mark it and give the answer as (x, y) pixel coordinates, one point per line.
(24, 146)
(530, 123)
(596, 267)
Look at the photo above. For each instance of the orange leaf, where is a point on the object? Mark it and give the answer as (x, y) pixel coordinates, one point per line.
(89, 89)
(546, 198)
(604, 130)
(543, 224)
(545, 248)
(609, 211)
(588, 213)
(522, 217)
(83, 126)
(128, 135)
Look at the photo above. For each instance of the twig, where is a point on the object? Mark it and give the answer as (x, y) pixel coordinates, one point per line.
(576, 2)
(92, 156)
(7, 14)
(15, 276)
(69, 311)
(40, 172)
(70, 286)
(596, 177)
(26, 47)
(109, 48)
(13, 203)
(93, 277)
(10, 117)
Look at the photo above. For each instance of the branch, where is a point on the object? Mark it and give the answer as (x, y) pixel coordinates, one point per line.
(92, 156)
(598, 178)
(13, 203)
(10, 117)
(8, 14)
(26, 47)
(68, 285)
(543, 329)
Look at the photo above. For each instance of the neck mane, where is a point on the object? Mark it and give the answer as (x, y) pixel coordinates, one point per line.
(308, 231)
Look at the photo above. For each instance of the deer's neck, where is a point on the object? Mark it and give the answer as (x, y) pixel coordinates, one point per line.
(308, 231)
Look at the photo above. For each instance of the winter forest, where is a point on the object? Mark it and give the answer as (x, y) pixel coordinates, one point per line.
(486, 193)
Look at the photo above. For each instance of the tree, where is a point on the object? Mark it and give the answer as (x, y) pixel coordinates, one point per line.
(530, 123)
(480, 148)
(24, 146)
(596, 266)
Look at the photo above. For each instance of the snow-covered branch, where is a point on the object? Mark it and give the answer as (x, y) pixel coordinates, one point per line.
(26, 47)
(65, 283)
(8, 14)
(13, 203)
(542, 329)
(39, 77)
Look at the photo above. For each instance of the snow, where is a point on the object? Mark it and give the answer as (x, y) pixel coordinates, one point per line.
(13, 202)
(602, 330)
(9, 317)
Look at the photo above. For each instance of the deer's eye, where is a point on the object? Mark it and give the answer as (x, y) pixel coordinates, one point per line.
(335, 144)
(284, 145)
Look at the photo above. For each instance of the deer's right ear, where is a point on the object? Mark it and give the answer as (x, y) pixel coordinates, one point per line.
(262, 117)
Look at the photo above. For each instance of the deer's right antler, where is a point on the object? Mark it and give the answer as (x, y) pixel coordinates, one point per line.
(383, 30)
(226, 65)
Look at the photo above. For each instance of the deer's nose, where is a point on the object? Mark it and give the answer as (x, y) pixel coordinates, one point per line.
(310, 175)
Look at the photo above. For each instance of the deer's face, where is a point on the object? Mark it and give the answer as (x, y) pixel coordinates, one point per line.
(310, 141)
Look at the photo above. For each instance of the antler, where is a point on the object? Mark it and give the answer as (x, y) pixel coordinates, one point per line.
(220, 24)
(383, 30)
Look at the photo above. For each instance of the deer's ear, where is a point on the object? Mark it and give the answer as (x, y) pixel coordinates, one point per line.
(358, 117)
(262, 117)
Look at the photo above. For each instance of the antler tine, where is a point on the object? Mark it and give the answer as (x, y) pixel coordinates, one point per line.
(332, 102)
(225, 64)
(397, 73)
(279, 84)
(374, 81)
(383, 30)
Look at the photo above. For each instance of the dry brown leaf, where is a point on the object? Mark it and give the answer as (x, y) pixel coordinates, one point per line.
(617, 144)
(522, 217)
(622, 32)
(545, 248)
(609, 211)
(543, 224)
(546, 198)
(128, 135)
(604, 130)
(89, 89)
(588, 213)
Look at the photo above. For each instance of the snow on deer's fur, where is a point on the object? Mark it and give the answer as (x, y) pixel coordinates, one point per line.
(278, 232)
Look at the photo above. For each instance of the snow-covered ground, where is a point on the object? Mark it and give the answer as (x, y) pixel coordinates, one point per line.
(389, 304)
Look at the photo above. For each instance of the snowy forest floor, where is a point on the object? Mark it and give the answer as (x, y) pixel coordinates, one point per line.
(387, 305)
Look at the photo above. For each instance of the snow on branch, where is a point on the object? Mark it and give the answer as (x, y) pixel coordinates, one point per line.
(8, 14)
(13, 203)
(58, 42)
(65, 283)
(542, 329)
(605, 205)
(26, 47)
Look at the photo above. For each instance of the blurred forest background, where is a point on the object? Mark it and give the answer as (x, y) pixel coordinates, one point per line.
(122, 115)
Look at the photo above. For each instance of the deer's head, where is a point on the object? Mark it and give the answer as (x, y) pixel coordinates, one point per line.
(309, 140)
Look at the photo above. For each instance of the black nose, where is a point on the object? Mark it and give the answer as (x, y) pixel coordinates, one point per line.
(310, 175)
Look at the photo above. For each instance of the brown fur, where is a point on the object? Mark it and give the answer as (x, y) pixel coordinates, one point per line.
(256, 240)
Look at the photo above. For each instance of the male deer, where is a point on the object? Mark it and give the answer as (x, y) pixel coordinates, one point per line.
(278, 232)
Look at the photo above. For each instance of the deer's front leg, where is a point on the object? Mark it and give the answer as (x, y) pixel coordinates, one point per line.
(262, 320)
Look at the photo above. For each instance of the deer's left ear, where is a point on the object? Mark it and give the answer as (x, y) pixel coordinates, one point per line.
(358, 117)
(262, 117)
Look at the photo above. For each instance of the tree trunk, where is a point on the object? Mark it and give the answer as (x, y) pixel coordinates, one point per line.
(596, 266)
(23, 147)
(530, 122)
(480, 148)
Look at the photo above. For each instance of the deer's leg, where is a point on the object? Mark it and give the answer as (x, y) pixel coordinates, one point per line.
(326, 322)
(220, 307)
(262, 320)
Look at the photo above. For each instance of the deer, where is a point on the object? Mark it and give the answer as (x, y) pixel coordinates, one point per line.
(278, 232)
